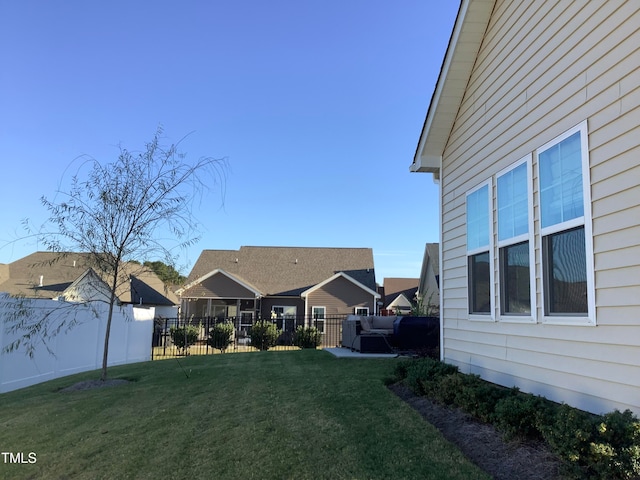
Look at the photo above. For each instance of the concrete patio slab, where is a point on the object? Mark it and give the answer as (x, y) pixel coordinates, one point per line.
(342, 352)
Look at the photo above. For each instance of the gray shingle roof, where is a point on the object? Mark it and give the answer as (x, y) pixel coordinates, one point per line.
(59, 271)
(286, 271)
(396, 286)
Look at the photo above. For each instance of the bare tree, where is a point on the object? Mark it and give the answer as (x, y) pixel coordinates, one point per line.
(127, 210)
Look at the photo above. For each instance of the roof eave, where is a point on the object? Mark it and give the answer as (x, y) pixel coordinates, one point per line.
(464, 44)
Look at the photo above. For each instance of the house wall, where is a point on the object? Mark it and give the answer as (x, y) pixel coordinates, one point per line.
(218, 286)
(429, 287)
(543, 68)
(268, 303)
(340, 297)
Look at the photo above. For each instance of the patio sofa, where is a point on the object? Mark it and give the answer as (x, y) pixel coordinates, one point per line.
(368, 334)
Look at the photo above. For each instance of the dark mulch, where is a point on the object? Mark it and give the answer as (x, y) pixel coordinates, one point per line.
(483, 445)
(92, 384)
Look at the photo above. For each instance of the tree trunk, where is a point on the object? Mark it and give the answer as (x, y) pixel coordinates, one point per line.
(105, 354)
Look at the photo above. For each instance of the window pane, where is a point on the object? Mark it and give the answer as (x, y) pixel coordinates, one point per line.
(561, 182)
(515, 284)
(566, 272)
(513, 212)
(479, 284)
(478, 218)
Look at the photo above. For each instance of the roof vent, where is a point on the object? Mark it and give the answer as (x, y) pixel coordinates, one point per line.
(74, 264)
(296, 261)
(236, 260)
(41, 280)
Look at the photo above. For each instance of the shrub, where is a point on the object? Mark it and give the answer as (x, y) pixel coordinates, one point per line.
(183, 337)
(615, 451)
(424, 375)
(264, 335)
(592, 446)
(221, 336)
(522, 416)
(307, 337)
(478, 397)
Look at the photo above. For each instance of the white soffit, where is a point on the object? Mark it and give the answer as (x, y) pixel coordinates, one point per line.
(464, 45)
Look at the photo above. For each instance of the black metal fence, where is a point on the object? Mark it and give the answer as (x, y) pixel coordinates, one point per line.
(163, 345)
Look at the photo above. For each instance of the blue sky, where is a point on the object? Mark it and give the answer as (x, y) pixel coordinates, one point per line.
(318, 106)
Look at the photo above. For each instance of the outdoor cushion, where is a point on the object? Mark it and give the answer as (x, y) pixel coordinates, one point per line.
(365, 323)
(385, 323)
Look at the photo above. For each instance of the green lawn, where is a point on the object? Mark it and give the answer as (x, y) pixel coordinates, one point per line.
(296, 414)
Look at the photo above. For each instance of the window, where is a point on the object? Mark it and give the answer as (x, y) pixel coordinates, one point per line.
(479, 269)
(515, 283)
(567, 251)
(284, 317)
(283, 312)
(514, 239)
(565, 273)
(318, 315)
(362, 311)
(479, 283)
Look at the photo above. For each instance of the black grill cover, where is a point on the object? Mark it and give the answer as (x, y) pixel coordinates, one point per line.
(415, 333)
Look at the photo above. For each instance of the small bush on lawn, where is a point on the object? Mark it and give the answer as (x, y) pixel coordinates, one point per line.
(592, 446)
(184, 337)
(221, 336)
(264, 335)
(307, 337)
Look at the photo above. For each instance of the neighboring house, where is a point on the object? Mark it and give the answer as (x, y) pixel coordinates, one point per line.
(400, 295)
(533, 134)
(70, 277)
(429, 286)
(289, 284)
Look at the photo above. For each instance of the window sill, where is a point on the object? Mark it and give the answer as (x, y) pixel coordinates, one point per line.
(516, 319)
(481, 318)
(569, 321)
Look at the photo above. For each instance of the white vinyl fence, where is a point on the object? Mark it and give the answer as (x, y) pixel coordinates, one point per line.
(79, 349)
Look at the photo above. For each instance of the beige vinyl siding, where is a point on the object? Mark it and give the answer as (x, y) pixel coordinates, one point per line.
(543, 68)
(218, 286)
(340, 297)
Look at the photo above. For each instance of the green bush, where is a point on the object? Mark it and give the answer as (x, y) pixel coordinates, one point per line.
(307, 337)
(592, 446)
(479, 398)
(616, 447)
(221, 336)
(183, 337)
(424, 375)
(522, 416)
(264, 335)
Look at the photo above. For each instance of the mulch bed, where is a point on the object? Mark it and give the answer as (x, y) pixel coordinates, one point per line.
(483, 445)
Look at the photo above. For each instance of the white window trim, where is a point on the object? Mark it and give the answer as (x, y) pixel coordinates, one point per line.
(586, 221)
(530, 237)
(491, 316)
(324, 315)
(323, 319)
(355, 310)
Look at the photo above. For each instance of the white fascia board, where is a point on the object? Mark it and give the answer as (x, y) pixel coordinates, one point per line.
(468, 31)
